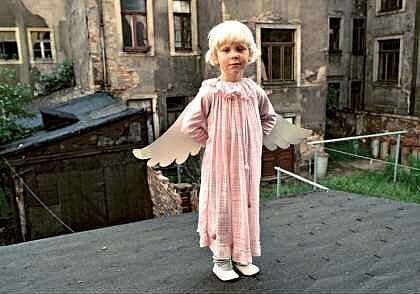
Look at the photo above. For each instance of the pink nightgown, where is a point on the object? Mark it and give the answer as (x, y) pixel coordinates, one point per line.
(230, 118)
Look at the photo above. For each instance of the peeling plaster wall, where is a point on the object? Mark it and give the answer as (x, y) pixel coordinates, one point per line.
(26, 14)
(307, 97)
(390, 99)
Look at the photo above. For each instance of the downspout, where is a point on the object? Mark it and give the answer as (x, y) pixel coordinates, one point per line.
(412, 99)
(105, 85)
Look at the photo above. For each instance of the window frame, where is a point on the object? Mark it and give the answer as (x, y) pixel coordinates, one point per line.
(362, 50)
(380, 11)
(148, 50)
(31, 49)
(194, 31)
(18, 43)
(397, 83)
(296, 54)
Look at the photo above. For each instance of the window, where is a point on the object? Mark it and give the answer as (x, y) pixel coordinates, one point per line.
(182, 25)
(9, 46)
(359, 32)
(134, 25)
(334, 40)
(356, 94)
(388, 61)
(278, 55)
(41, 45)
(390, 5)
(174, 107)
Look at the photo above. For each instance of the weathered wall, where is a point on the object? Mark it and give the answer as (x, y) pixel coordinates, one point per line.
(25, 14)
(169, 198)
(307, 97)
(390, 99)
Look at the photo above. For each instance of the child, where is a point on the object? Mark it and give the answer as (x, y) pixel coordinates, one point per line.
(230, 115)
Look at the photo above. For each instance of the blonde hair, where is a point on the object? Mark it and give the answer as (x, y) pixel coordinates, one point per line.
(231, 31)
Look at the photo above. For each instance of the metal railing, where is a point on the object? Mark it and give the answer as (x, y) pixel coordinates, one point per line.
(281, 170)
(397, 148)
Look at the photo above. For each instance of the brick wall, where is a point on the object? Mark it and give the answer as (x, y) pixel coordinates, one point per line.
(169, 198)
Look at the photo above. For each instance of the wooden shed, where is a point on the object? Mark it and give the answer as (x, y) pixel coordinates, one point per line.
(81, 166)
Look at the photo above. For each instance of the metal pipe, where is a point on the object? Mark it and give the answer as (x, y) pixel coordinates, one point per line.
(278, 183)
(397, 154)
(301, 178)
(356, 137)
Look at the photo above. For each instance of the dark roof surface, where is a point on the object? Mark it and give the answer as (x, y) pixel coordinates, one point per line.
(92, 111)
(316, 243)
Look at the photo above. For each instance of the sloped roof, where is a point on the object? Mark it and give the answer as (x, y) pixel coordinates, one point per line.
(322, 242)
(91, 111)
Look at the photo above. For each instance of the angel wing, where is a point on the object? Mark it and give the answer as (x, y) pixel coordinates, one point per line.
(283, 134)
(173, 145)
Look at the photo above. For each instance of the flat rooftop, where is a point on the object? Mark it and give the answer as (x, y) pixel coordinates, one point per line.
(321, 242)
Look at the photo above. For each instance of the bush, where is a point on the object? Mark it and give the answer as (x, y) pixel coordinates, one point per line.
(14, 96)
(61, 78)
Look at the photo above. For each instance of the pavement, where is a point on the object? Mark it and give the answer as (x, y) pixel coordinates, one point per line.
(321, 242)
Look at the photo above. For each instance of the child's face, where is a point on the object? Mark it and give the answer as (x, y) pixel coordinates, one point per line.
(232, 58)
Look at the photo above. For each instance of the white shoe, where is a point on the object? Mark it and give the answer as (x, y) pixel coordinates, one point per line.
(225, 275)
(247, 270)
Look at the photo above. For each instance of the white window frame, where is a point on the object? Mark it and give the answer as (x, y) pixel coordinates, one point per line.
(340, 33)
(31, 49)
(150, 30)
(17, 35)
(379, 12)
(376, 57)
(194, 30)
(298, 44)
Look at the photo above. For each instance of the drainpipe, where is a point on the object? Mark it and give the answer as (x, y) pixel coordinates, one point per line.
(105, 85)
(412, 99)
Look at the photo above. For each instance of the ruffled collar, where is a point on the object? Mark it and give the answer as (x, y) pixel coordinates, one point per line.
(230, 90)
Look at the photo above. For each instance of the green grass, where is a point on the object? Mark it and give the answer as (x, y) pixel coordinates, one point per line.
(353, 147)
(368, 183)
(268, 190)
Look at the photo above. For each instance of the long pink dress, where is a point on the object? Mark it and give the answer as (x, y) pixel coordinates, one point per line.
(230, 119)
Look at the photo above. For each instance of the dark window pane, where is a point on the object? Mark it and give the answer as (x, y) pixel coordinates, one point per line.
(141, 31)
(133, 5)
(9, 50)
(276, 63)
(127, 31)
(334, 39)
(177, 29)
(276, 35)
(265, 65)
(288, 63)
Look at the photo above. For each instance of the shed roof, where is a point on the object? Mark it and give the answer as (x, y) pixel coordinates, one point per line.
(91, 111)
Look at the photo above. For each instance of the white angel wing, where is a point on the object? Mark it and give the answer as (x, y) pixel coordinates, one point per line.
(173, 145)
(284, 134)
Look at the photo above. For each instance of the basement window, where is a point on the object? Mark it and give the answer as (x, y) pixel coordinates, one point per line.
(174, 107)
(278, 55)
(134, 25)
(9, 45)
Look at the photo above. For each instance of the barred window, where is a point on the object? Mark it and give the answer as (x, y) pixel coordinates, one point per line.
(390, 5)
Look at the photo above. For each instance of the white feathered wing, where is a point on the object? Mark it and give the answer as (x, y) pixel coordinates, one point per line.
(283, 134)
(172, 146)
